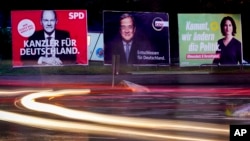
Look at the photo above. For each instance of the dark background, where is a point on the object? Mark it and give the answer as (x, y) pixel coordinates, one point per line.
(95, 15)
(144, 30)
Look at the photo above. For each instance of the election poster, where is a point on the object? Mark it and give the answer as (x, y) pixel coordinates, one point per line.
(95, 46)
(137, 38)
(207, 39)
(49, 37)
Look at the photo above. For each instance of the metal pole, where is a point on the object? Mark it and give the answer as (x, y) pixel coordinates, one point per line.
(113, 69)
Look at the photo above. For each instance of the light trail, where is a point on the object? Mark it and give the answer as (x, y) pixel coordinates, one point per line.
(142, 124)
(28, 102)
(10, 93)
(78, 127)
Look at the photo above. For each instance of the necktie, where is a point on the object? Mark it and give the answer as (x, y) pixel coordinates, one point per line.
(49, 39)
(127, 51)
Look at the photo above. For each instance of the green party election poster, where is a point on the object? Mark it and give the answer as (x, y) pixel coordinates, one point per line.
(199, 36)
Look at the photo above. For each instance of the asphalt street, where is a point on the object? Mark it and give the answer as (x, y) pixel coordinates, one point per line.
(199, 98)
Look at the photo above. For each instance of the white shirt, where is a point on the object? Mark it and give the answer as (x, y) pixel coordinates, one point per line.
(52, 35)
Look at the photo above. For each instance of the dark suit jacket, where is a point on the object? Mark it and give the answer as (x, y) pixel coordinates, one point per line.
(59, 35)
(115, 47)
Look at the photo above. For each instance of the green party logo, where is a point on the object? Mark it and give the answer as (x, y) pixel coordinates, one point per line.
(214, 26)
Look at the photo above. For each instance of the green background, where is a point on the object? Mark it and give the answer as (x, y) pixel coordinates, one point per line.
(213, 21)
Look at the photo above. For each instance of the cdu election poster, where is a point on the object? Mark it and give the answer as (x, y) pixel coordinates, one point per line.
(49, 37)
(210, 39)
(136, 38)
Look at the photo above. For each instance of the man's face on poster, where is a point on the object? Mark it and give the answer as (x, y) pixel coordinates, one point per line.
(127, 29)
(49, 21)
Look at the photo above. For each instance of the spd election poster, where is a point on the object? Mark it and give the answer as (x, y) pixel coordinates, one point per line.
(49, 37)
(201, 37)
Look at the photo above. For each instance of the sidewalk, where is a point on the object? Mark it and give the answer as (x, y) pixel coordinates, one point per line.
(142, 79)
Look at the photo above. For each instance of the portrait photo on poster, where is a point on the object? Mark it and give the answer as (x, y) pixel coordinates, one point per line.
(43, 41)
(210, 39)
(229, 48)
(138, 38)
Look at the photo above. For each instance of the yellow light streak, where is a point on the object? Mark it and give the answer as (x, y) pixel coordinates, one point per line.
(76, 127)
(128, 127)
(7, 93)
(29, 102)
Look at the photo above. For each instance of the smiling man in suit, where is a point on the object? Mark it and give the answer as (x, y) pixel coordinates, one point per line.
(127, 44)
(51, 38)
